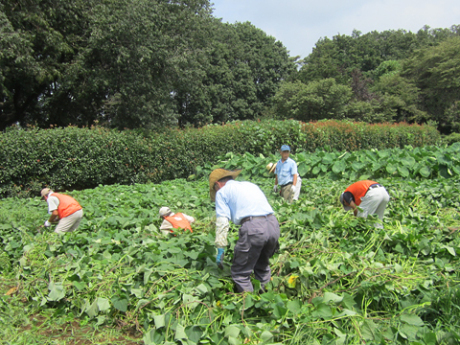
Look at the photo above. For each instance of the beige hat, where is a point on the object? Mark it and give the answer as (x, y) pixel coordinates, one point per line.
(271, 167)
(218, 174)
(164, 211)
(45, 192)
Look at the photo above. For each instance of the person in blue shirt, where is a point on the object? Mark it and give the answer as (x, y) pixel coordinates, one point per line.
(244, 204)
(286, 175)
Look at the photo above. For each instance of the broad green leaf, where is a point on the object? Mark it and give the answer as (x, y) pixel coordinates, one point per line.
(451, 250)
(408, 162)
(266, 336)
(329, 296)
(369, 330)
(339, 166)
(403, 171)
(159, 321)
(430, 338)
(232, 331)
(120, 303)
(347, 312)
(390, 168)
(408, 332)
(303, 169)
(348, 301)
(139, 293)
(357, 166)
(323, 311)
(103, 304)
(294, 306)
(248, 302)
(190, 301)
(153, 337)
(57, 291)
(425, 171)
(92, 310)
(202, 289)
(180, 333)
(411, 319)
(194, 333)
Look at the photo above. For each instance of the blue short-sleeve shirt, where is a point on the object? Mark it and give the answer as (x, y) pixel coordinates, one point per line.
(285, 171)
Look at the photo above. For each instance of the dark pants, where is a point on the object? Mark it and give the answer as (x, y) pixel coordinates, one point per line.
(258, 241)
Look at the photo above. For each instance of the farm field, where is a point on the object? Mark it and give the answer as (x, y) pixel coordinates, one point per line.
(336, 279)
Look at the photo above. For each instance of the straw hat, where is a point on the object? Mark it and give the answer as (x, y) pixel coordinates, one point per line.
(45, 192)
(218, 174)
(271, 167)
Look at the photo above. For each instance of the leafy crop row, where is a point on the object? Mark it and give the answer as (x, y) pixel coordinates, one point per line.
(336, 279)
(418, 163)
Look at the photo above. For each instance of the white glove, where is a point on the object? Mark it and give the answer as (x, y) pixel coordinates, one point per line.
(292, 189)
(222, 227)
(275, 188)
(47, 224)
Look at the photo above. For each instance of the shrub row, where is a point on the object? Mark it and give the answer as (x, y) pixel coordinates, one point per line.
(77, 158)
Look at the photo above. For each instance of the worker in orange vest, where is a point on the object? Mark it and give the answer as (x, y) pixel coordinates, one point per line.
(64, 210)
(371, 198)
(174, 221)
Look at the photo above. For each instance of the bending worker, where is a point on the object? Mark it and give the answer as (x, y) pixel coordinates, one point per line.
(271, 168)
(63, 209)
(286, 175)
(244, 204)
(370, 196)
(174, 221)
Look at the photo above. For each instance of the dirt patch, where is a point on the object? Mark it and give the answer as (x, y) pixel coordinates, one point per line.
(73, 333)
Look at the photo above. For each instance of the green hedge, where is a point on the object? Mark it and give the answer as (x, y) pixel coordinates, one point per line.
(77, 158)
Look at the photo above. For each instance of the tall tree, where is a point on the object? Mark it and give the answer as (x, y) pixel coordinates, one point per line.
(338, 57)
(138, 52)
(37, 43)
(318, 100)
(241, 74)
(436, 72)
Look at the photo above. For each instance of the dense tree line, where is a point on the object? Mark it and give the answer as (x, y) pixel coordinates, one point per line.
(132, 63)
(379, 77)
(154, 63)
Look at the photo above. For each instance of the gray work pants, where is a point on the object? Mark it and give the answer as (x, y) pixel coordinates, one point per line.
(258, 241)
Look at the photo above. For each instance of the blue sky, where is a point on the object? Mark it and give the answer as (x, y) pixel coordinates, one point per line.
(299, 24)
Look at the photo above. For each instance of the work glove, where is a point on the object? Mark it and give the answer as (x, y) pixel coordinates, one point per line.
(292, 189)
(47, 224)
(220, 258)
(275, 188)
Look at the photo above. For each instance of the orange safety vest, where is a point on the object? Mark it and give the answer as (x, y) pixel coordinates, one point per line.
(178, 221)
(359, 189)
(67, 205)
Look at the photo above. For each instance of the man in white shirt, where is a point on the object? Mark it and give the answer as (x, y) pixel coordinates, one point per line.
(244, 204)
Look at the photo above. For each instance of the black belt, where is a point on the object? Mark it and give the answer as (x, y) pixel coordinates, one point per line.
(375, 185)
(244, 220)
(287, 184)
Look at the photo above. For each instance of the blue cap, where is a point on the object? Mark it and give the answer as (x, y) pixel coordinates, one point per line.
(285, 148)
